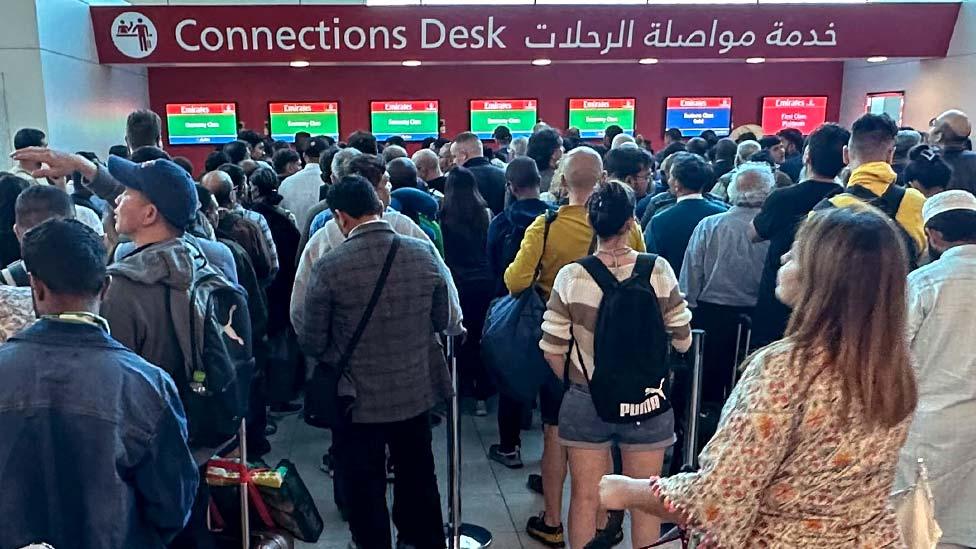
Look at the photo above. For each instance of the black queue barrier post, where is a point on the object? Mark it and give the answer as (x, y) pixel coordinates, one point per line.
(459, 535)
(694, 400)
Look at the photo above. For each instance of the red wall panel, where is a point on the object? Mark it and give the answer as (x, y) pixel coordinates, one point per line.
(354, 87)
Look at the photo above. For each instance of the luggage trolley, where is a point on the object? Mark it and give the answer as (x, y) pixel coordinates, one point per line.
(459, 535)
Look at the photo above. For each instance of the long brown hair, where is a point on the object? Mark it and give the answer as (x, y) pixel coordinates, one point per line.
(850, 311)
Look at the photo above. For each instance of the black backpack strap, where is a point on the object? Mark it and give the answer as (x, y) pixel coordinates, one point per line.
(643, 267)
(373, 300)
(600, 273)
(550, 217)
(890, 200)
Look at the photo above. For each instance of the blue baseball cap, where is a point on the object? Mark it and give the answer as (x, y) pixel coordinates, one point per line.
(164, 183)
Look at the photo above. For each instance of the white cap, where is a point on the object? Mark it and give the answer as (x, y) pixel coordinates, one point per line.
(946, 201)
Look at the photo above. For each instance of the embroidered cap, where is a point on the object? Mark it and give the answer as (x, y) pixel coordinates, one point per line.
(947, 201)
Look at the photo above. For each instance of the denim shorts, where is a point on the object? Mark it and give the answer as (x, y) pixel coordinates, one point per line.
(581, 427)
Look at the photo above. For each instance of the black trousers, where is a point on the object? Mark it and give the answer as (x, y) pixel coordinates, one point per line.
(721, 323)
(416, 500)
(510, 412)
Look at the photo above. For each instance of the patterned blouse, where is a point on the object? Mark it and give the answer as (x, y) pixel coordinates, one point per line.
(785, 471)
(16, 310)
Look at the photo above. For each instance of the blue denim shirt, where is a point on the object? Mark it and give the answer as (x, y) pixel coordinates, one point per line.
(93, 450)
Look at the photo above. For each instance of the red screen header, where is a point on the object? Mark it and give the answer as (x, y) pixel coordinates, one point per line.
(200, 108)
(802, 113)
(699, 102)
(300, 108)
(402, 106)
(583, 104)
(502, 104)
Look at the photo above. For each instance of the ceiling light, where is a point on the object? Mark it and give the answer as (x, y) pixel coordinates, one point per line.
(299, 64)
(541, 62)
(411, 63)
(647, 61)
(755, 60)
(877, 59)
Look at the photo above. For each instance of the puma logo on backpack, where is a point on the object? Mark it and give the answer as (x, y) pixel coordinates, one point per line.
(629, 345)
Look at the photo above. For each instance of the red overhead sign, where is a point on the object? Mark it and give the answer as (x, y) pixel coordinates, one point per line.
(801, 113)
(502, 104)
(699, 102)
(363, 34)
(601, 104)
(200, 108)
(300, 108)
(402, 106)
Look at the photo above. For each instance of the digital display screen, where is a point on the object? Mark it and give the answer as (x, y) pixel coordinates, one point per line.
(201, 123)
(693, 115)
(592, 116)
(316, 118)
(518, 115)
(801, 113)
(412, 120)
(890, 103)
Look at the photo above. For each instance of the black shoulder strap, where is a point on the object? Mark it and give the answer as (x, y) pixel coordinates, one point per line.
(644, 266)
(361, 327)
(603, 277)
(891, 200)
(550, 217)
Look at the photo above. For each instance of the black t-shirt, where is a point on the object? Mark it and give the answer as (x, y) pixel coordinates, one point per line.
(777, 222)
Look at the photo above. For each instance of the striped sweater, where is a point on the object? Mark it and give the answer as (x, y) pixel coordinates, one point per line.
(574, 302)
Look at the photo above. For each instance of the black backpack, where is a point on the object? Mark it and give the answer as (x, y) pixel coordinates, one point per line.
(889, 202)
(630, 345)
(220, 362)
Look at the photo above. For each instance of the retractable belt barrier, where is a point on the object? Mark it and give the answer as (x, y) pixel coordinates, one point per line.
(459, 535)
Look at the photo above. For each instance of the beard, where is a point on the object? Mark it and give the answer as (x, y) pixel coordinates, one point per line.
(935, 253)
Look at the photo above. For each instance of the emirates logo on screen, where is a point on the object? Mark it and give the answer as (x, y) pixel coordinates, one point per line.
(134, 34)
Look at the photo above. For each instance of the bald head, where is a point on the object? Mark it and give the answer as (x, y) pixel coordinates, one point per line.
(427, 163)
(219, 183)
(403, 173)
(582, 169)
(620, 139)
(951, 128)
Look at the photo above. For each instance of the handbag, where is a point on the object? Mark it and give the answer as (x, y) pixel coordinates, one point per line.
(331, 393)
(915, 509)
(291, 504)
(510, 338)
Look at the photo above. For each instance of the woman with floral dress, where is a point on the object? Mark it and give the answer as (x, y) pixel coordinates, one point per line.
(806, 449)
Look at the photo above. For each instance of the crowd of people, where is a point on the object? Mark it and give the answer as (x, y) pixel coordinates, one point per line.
(146, 304)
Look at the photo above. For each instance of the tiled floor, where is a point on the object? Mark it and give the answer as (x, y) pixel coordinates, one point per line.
(492, 495)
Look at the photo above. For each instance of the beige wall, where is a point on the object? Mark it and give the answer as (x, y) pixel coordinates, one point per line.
(931, 85)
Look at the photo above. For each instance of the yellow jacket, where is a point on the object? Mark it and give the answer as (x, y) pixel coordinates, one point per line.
(876, 177)
(569, 239)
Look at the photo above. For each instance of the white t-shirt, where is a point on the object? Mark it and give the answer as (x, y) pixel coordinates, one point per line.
(89, 218)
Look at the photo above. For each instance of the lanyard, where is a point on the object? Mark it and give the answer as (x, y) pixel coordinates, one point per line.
(90, 319)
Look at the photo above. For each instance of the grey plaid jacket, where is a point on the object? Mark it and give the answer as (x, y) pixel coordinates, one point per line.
(396, 373)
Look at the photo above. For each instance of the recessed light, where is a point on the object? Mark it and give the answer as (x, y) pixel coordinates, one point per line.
(299, 64)
(411, 63)
(541, 62)
(755, 60)
(877, 59)
(648, 61)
